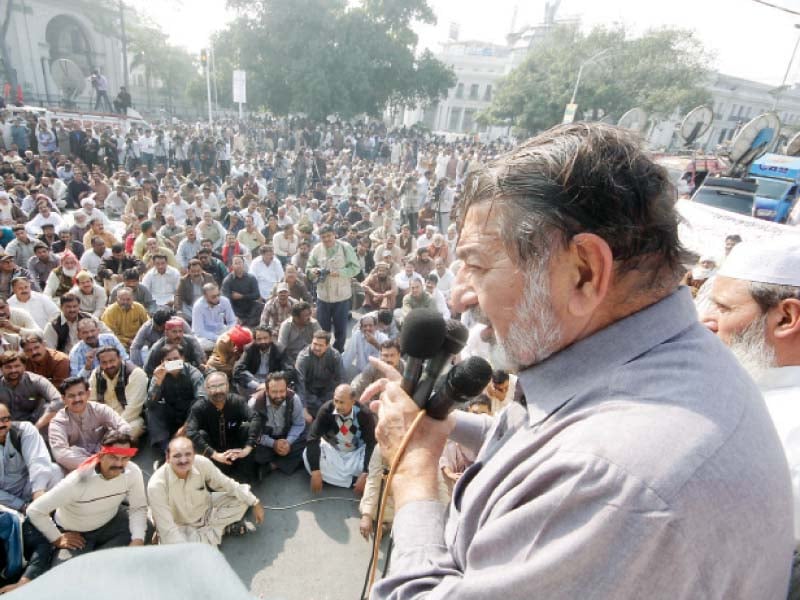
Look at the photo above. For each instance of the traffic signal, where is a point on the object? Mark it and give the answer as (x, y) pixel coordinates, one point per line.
(204, 57)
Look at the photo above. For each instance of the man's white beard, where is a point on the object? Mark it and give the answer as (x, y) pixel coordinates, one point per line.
(751, 349)
(70, 272)
(535, 333)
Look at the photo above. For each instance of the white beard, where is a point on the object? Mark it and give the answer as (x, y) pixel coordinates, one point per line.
(750, 348)
(70, 272)
(534, 334)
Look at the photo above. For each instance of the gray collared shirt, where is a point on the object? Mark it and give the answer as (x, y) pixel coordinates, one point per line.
(645, 466)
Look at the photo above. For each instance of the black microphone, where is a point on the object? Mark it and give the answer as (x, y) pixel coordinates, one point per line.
(423, 334)
(464, 381)
(454, 341)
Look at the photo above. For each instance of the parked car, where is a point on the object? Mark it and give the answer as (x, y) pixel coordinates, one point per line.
(728, 193)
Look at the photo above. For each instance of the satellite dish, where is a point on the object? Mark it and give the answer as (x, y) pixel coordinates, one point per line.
(69, 78)
(696, 123)
(754, 139)
(793, 147)
(635, 120)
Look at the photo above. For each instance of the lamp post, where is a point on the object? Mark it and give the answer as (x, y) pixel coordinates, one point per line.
(786, 74)
(124, 43)
(588, 61)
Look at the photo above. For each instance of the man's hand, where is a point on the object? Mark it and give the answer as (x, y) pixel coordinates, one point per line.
(242, 453)
(181, 431)
(7, 325)
(416, 477)
(316, 481)
(281, 447)
(159, 373)
(361, 482)
(222, 458)
(136, 542)
(90, 359)
(38, 493)
(70, 540)
(236, 296)
(258, 513)
(365, 526)
(307, 416)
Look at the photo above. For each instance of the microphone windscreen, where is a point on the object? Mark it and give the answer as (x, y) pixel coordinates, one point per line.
(456, 337)
(470, 377)
(423, 333)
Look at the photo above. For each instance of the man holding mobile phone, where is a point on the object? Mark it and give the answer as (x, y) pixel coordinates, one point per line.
(173, 389)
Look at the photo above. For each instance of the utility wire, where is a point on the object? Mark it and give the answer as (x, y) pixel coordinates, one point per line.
(783, 8)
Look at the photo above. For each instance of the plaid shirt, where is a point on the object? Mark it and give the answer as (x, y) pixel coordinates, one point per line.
(274, 314)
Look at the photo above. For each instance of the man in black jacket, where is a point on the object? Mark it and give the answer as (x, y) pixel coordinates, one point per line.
(219, 426)
(340, 443)
(260, 358)
(278, 429)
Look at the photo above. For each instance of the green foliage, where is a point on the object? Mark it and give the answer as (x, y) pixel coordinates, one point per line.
(322, 57)
(662, 71)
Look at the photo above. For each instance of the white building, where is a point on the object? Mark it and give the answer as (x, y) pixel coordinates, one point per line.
(43, 31)
(478, 67)
(735, 101)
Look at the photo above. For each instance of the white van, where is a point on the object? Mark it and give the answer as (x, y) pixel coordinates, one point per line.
(85, 117)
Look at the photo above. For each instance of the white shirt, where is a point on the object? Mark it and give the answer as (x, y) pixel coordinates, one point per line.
(441, 303)
(34, 226)
(445, 282)
(424, 241)
(177, 210)
(91, 262)
(41, 308)
(162, 287)
(267, 275)
(403, 281)
(781, 389)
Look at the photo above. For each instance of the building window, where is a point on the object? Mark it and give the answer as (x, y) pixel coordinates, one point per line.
(722, 135)
(469, 123)
(455, 118)
(487, 95)
(460, 90)
(473, 91)
(733, 112)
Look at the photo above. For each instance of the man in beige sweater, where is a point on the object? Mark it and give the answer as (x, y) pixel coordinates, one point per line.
(183, 508)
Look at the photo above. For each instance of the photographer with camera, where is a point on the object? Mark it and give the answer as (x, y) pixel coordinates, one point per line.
(100, 85)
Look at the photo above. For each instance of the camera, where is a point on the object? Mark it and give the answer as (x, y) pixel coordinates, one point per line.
(323, 275)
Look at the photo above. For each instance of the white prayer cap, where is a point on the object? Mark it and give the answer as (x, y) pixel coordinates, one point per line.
(766, 261)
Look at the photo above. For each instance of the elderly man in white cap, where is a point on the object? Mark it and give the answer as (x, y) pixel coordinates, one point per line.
(755, 310)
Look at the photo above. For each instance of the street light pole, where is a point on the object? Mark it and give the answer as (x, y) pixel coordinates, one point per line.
(588, 61)
(124, 43)
(788, 68)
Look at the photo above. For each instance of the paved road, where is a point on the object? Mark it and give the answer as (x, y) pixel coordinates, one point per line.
(311, 552)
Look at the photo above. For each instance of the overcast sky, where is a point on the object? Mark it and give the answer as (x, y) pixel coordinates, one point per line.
(747, 39)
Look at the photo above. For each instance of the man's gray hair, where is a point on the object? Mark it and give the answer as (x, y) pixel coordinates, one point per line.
(584, 178)
(769, 295)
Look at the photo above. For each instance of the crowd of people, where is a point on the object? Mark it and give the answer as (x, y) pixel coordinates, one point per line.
(219, 294)
(216, 294)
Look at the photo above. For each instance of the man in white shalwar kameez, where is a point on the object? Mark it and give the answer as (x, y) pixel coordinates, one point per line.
(183, 508)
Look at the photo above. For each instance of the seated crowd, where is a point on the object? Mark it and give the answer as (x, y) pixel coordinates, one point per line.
(220, 321)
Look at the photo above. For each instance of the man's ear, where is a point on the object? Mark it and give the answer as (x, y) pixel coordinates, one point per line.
(591, 263)
(788, 321)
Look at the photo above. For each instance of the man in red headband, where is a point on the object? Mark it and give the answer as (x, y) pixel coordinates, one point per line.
(90, 513)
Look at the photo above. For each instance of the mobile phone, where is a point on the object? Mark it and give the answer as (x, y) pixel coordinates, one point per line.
(173, 365)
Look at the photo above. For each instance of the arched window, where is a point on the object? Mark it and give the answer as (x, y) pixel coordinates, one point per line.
(67, 38)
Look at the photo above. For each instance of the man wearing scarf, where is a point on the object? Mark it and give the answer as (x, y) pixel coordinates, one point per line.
(120, 385)
(100, 505)
(62, 278)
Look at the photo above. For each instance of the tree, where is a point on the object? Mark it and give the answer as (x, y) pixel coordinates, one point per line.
(322, 57)
(662, 71)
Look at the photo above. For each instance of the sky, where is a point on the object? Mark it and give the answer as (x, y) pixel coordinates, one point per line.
(746, 39)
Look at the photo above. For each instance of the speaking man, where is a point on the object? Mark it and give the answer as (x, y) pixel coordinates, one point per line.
(642, 461)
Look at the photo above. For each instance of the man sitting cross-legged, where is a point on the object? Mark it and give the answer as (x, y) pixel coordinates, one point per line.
(90, 503)
(340, 442)
(278, 428)
(192, 501)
